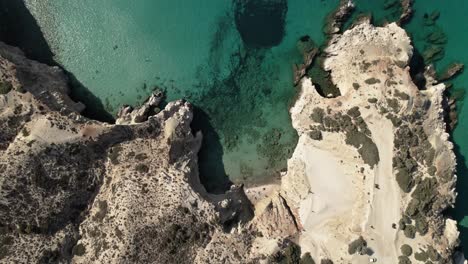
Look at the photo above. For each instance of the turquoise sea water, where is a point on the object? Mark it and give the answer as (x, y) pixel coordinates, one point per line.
(121, 49)
(240, 77)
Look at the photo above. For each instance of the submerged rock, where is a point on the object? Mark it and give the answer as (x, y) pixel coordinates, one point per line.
(407, 11)
(336, 19)
(451, 71)
(301, 70)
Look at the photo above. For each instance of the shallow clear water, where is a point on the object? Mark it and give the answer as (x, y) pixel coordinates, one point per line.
(121, 50)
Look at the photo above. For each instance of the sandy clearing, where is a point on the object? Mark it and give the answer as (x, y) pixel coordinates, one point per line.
(334, 203)
(386, 201)
(329, 195)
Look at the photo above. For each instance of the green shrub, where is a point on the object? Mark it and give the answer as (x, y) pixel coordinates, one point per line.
(307, 259)
(412, 209)
(326, 261)
(5, 87)
(317, 115)
(315, 134)
(372, 81)
(433, 254)
(79, 250)
(410, 231)
(421, 256)
(357, 245)
(401, 95)
(291, 254)
(421, 225)
(25, 132)
(141, 156)
(404, 180)
(142, 168)
(356, 86)
(404, 260)
(432, 170)
(406, 250)
(372, 100)
(393, 103)
(425, 192)
(354, 112)
(365, 146)
(401, 224)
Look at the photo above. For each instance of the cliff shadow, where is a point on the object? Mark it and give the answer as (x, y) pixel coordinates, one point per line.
(461, 211)
(95, 109)
(417, 68)
(210, 157)
(19, 28)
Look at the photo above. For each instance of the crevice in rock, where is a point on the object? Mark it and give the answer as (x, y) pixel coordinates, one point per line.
(291, 214)
(417, 69)
(210, 157)
(321, 78)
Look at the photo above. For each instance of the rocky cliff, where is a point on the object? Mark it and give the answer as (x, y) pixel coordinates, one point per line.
(81, 191)
(374, 169)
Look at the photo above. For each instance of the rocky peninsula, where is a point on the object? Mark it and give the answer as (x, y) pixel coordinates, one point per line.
(370, 178)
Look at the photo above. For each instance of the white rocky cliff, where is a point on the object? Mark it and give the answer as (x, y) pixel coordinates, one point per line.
(373, 166)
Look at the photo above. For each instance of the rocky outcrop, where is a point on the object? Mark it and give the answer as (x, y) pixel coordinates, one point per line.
(407, 11)
(48, 85)
(374, 162)
(300, 71)
(128, 115)
(336, 19)
(81, 191)
(451, 71)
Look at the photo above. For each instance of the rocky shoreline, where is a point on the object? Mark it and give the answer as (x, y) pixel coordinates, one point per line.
(372, 173)
(369, 66)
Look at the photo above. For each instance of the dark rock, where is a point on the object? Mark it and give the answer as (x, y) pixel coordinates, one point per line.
(451, 71)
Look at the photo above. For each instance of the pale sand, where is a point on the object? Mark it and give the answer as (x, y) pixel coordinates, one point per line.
(386, 201)
(259, 193)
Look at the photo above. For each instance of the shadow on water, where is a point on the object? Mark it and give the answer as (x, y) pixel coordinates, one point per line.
(462, 189)
(261, 23)
(19, 28)
(94, 107)
(210, 157)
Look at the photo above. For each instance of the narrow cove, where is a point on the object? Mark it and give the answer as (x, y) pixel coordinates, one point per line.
(223, 56)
